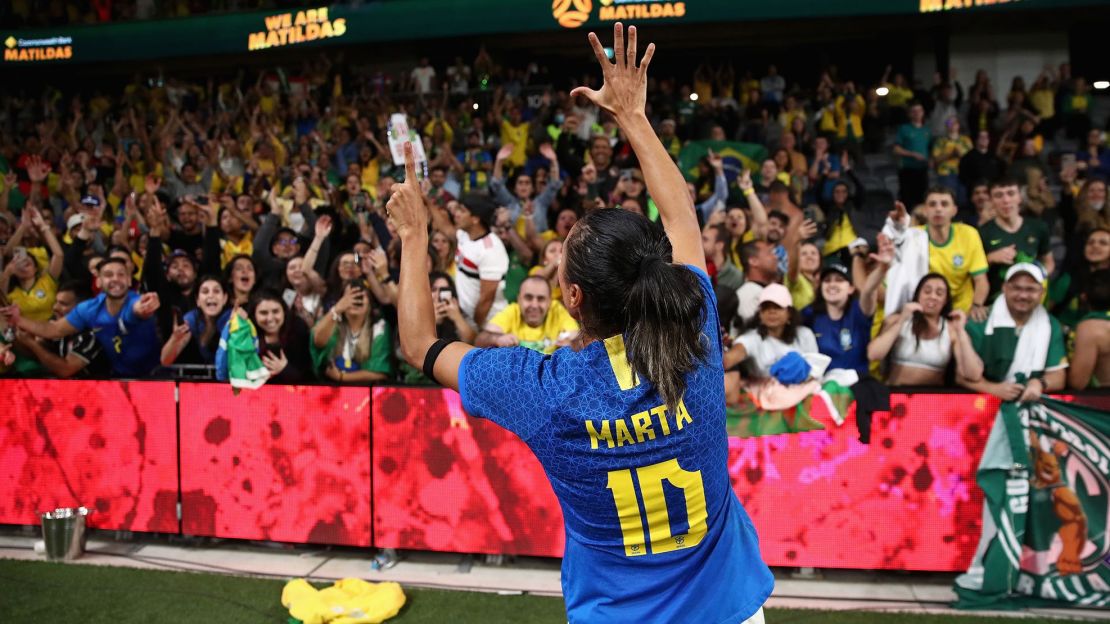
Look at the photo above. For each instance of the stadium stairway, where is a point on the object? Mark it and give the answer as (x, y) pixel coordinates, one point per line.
(893, 592)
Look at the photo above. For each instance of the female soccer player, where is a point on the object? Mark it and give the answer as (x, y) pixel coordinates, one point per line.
(630, 423)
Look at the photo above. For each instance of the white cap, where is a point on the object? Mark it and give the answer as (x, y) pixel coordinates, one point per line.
(776, 294)
(74, 221)
(1034, 271)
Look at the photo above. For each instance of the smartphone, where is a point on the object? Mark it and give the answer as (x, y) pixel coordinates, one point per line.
(445, 294)
(1067, 162)
(359, 286)
(202, 200)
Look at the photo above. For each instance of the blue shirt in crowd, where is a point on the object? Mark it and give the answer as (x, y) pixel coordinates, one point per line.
(131, 343)
(845, 339)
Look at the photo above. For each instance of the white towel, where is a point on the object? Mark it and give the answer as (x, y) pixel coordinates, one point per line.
(1032, 344)
(911, 263)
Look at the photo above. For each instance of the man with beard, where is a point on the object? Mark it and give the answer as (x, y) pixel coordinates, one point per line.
(189, 235)
(761, 268)
(534, 321)
(120, 318)
(777, 223)
(173, 279)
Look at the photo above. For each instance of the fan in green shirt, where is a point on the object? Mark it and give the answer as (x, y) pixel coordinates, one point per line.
(349, 345)
(998, 346)
(1009, 238)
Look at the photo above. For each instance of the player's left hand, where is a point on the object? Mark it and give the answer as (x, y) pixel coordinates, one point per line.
(624, 91)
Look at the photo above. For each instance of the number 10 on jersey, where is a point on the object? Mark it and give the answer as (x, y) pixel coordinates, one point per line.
(651, 479)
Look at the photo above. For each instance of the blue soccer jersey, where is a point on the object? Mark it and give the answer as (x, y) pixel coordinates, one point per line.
(131, 343)
(654, 530)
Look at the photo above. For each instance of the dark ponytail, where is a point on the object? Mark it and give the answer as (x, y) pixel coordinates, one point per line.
(622, 263)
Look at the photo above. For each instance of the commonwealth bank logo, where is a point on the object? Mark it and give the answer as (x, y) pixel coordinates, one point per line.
(571, 13)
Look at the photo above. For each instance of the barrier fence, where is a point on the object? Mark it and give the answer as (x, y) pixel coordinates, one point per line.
(404, 467)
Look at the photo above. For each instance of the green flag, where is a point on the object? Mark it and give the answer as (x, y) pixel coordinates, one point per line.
(244, 368)
(748, 420)
(736, 155)
(1045, 475)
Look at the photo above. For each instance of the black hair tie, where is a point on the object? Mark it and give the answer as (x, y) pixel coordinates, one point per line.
(649, 259)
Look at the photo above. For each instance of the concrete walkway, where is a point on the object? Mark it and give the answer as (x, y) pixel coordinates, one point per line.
(832, 590)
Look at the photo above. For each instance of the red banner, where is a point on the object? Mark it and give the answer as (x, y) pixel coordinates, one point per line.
(446, 482)
(293, 464)
(282, 463)
(110, 446)
(908, 501)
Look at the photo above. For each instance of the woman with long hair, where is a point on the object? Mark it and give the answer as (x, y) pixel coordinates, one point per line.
(451, 325)
(303, 290)
(1067, 294)
(27, 282)
(1088, 210)
(350, 345)
(742, 227)
(924, 336)
(803, 264)
(242, 277)
(445, 248)
(637, 401)
(282, 339)
(344, 269)
(196, 335)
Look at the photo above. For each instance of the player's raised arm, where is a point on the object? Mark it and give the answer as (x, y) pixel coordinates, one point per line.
(415, 313)
(624, 94)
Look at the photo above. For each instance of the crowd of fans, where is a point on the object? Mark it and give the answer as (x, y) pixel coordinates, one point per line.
(928, 236)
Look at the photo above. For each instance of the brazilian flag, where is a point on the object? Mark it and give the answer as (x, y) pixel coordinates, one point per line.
(737, 156)
(244, 367)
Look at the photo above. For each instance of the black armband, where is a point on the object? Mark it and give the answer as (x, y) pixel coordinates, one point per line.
(433, 355)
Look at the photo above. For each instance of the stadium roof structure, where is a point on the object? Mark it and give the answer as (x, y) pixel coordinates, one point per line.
(401, 20)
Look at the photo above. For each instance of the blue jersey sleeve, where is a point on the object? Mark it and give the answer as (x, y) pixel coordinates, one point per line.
(82, 315)
(862, 321)
(508, 386)
(127, 315)
(712, 319)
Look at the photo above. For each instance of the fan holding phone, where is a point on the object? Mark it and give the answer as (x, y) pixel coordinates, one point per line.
(350, 344)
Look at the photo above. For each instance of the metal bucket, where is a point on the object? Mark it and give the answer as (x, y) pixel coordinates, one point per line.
(63, 530)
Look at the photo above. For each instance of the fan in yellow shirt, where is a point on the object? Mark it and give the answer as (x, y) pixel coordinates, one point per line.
(956, 252)
(534, 321)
